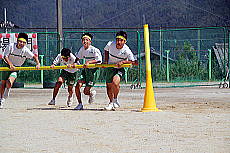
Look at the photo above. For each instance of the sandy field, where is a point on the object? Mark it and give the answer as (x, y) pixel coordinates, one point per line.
(192, 120)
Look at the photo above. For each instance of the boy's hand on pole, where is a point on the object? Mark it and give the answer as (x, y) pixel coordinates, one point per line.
(12, 67)
(119, 64)
(69, 65)
(38, 66)
(52, 66)
(74, 65)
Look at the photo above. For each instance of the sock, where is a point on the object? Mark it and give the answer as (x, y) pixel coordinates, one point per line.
(6, 93)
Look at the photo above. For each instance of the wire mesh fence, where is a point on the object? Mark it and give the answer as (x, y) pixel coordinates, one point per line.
(177, 55)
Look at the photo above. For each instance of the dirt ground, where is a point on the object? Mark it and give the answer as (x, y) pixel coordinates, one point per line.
(192, 120)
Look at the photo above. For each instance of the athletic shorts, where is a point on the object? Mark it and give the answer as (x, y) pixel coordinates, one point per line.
(111, 72)
(90, 76)
(4, 75)
(70, 78)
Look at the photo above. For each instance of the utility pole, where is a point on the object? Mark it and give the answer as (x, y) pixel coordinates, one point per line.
(6, 24)
(5, 20)
(144, 21)
(59, 23)
(82, 19)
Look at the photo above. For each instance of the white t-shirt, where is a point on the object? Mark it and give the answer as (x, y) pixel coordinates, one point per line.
(17, 56)
(92, 53)
(117, 55)
(61, 61)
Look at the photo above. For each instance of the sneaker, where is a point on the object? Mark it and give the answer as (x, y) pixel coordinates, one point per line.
(116, 103)
(1, 104)
(69, 102)
(110, 106)
(79, 107)
(6, 93)
(92, 96)
(2, 100)
(52, 102)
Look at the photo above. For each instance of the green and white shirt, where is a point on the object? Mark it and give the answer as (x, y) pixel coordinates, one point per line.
(61, 61)
(17, 56)
(117, 55)
(92, 53)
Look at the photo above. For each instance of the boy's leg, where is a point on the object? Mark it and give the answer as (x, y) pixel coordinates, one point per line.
(110, 95)
(9, 83)
(92, 76)
(116, 90)
(91, 93)
(70, 81)
(4, 75)
(113, 79)
(109, 89)
(78, 94)
(116, 86)
(70, 91)
(2, 88)
(80, 82)
(56, 89)
(87, 90)
(78, 90)
(112, 92)
(110, 74)
(116, 81)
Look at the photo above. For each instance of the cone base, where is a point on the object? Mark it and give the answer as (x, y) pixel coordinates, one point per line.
(150, 110)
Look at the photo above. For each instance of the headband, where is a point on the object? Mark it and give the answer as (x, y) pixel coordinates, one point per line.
(121, 37)
(86, 36)
(22, 39)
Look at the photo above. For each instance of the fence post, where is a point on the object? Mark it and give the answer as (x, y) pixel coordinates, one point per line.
(198, 43)
(225, 58)
(161, 49)
(139, 57)
(167, 66)
(42, 76)
(209, 65)
(228, 57)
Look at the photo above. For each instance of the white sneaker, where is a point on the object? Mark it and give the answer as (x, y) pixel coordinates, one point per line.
(92, 96)
(116, 103)
(2, 100)
(79, 107)
(6, 93)
(69, 102)
(52, 102)
(109, 107)
(1, 104)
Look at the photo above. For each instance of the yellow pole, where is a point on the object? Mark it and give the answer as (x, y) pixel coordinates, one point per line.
(149, 99)
(64, 67)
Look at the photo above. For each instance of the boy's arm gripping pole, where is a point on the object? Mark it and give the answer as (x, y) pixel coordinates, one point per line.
(63, 67)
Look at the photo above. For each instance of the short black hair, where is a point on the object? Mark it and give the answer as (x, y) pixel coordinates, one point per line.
(122, 33)
(87, 34)
(23, 35)
(65, 52)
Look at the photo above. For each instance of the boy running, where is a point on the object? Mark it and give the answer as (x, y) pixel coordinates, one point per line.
(116, 52)
(68, 75)
(14, 56)
(89, 76)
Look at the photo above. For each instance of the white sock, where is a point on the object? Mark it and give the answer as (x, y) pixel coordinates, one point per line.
(2, 100)
(6, 93)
